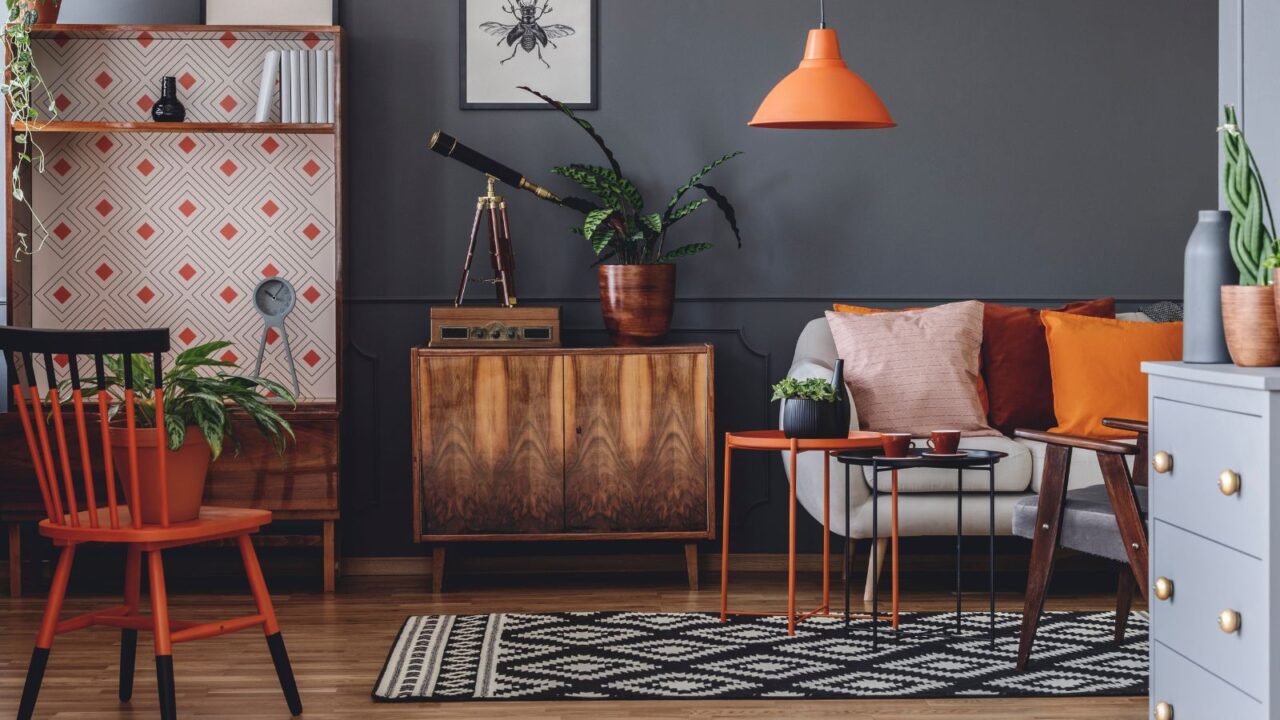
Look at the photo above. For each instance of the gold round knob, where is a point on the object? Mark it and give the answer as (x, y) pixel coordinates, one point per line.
(1164, 588)
(1162, 462)
(1229, 482)
(1229, 621)
(1164, 711)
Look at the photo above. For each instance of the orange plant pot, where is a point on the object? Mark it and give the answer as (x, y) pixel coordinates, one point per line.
(637, 302)
(188, 468)
(46, 10)
(1249, 322)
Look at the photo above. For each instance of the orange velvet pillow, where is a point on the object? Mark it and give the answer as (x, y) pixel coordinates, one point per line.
(1096, 366)
(1015, 363)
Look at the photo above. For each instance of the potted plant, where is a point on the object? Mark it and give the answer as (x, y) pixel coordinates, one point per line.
(811, 408)
(22, 83)
(199, 399)
(636, 274)
(1249, 309)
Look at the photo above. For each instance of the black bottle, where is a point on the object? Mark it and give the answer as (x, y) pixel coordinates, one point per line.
(167, 108)
(844, 406)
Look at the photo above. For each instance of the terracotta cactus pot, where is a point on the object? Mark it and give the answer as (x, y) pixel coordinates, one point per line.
(1249, 322)
(637, 301)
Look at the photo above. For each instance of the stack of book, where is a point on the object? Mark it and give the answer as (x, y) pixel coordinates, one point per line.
(306, 79)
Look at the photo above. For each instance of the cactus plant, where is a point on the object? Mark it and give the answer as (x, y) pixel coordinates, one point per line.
(1253, 242)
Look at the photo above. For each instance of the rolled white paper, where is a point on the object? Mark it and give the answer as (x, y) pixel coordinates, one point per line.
(333, 85)
(321, 98)
(286, 87)
(270, 73)
(306, 81)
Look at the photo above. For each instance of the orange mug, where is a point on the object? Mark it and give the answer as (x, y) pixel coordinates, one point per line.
(944, 442)
(896, 445)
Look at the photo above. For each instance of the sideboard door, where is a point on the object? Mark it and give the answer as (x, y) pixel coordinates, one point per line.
(636, 434)
(490, 434)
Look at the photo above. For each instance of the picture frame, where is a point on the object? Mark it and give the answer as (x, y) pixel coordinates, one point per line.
(275, 12)
(490, 71)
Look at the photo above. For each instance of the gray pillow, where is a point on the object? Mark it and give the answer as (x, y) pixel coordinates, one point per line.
(1163, 311)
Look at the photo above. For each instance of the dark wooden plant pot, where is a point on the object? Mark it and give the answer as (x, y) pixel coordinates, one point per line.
(187, 468)
(46, 10)
(811, 419)
(1249, 322)
(637, 302)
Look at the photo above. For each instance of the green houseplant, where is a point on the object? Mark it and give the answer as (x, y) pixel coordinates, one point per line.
(21, 87)
(1249, 309)
(637, 277)
(199, 401)
(811, 408)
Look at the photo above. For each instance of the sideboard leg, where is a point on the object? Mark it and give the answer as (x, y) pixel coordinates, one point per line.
(691, 564)
(437, 568)
(330, 556)
(15, 559)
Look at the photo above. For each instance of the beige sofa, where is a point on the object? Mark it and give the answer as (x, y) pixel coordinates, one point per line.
(927, 500)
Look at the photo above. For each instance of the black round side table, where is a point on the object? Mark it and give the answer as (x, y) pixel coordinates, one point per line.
(919, 458)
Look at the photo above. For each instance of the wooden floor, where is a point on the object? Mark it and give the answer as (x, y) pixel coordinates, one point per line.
(338, 643)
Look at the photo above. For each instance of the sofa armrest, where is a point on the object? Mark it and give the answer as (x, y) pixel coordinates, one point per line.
(809, 464)
(807, 368)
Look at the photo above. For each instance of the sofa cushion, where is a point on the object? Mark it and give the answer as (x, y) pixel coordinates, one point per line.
(1013, 474)
(1084, 469)
(1088, 524)
(1015, 363)
(914, 371)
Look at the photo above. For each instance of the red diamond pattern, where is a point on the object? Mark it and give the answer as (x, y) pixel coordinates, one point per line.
(62, 39)
(311, 231)
(62, 103)
(229, 295)
(187, 208)
(228, 39)
(270, 270)
(146, 168)
(104, 208)
(187, 81)
(311, 294)
(230, 357)
(104, 144)
(104, 79)
(229, 231)
(272, 336)
(61, 360)
(228, 168)
(187, 272)
(187, 145)
(145, 103)
(145, 39)
(187, 336)
(104, 271)
(270, 208)
(146, 295)
(311, 40)
(62, 167)
(270, 145)
(145, 231)
(229, 104)
(311, 358)
(311, 168)
(62, 231)
(62, 295)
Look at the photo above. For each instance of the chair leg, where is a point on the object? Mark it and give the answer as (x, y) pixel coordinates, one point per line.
(878, 547)
(48, 630)
(164, 643)
(1044, 546)
(128, 637)
(1124, 601)
(271, 627)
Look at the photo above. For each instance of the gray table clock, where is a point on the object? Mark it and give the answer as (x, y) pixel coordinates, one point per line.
(275, 299)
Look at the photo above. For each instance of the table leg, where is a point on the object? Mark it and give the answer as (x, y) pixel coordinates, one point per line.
(15, 560)
(791, 553)
(826, 531)
(875, 569)
(959, 541)
(848, 556)
(894, 530)
(724, 536)
(991, 552)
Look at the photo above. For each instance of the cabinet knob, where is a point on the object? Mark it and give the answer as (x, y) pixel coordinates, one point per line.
(1163, 711)
(1229, 482)
(1229, 621)
(1164, 588)
(1162, 462)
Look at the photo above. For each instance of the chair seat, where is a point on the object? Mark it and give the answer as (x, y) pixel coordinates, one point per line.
(213, 523)
(1088, 522)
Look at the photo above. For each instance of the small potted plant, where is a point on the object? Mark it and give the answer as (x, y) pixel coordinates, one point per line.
(811, 408)
(21, 85)
(199, 398)
(636, 274)
(1249, 309)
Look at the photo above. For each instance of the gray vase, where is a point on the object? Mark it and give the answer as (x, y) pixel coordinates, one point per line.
(1208, 266)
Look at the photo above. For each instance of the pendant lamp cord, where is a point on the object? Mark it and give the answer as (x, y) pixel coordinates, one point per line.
(822, 14)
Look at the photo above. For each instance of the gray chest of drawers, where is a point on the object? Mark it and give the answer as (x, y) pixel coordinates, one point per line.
(1215, 446)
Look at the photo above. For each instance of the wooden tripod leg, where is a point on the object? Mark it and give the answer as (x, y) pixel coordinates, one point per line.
(504, 257)
(471, 253)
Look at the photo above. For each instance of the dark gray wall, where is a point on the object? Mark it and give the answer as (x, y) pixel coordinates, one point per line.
(1247, 62)
(1046, 151)
(176, 12)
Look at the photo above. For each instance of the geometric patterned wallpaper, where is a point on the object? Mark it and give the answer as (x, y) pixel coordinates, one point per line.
(175, 230)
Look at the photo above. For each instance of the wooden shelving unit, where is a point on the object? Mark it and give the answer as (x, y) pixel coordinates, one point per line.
(187, 218)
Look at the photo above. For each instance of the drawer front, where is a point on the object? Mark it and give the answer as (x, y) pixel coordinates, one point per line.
(1203, 443)
(1194, 693)
(1207, 579)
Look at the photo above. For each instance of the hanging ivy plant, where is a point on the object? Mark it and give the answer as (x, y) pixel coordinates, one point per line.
(23, 85)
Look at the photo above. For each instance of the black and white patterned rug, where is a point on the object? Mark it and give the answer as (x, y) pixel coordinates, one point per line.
(624, 656)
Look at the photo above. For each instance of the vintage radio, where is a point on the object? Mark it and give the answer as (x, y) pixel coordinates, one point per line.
(475, 326)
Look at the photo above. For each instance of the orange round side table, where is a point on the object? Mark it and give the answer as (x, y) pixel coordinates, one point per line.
(775, 441)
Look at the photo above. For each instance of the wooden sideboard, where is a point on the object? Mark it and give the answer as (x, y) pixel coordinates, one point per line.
(563, 444)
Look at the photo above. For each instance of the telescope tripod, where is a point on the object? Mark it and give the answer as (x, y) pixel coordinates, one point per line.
(500, 251)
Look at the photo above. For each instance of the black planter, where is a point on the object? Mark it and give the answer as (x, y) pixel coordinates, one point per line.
(168, 108)
(811, 419)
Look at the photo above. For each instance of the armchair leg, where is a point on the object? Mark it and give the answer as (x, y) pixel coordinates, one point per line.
(878, 547)
(48, 628)
(275, 643)
(128, 637)
(1124, 601)
(164, 643)
(1053, 490)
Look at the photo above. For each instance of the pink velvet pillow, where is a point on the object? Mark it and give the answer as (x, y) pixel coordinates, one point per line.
(914, 371)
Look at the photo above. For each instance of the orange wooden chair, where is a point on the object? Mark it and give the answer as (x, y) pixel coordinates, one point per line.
(50, 435)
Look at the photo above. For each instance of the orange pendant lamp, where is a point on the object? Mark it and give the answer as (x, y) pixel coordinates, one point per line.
(823, 93)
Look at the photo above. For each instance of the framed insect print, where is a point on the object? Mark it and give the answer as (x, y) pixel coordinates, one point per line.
(548, 45)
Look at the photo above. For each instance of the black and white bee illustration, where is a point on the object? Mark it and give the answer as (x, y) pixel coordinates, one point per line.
(527, 32)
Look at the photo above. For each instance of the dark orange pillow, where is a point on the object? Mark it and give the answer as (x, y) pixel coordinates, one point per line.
(1015, 363)
(1096, 366)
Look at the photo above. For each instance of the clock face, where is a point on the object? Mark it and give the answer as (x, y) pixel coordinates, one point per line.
(274, 297)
